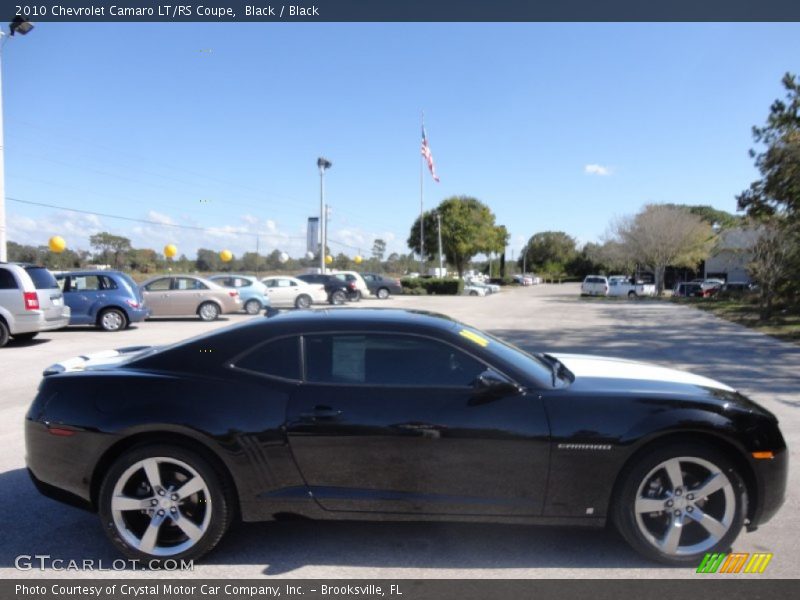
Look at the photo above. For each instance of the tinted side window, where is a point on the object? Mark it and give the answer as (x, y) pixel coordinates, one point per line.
(383, 359)
(7, 280)
(280, 358)
(84, 283)
(42, 278)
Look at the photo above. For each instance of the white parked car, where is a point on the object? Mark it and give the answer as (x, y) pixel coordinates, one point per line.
(594, 285)
(290, 291)
(473, 290)
(621, 285)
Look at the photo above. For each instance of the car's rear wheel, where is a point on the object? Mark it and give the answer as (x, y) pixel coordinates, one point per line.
(252, 307)
(473, 293)
(681, 501)
(4, 333)
(631, 294)
(112, 319)
(383, 293)
(338, 297)
(208, 311)
(302, 301)
(160, 502)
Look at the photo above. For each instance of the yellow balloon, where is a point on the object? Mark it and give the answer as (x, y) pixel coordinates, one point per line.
(358, 259)
(328, 259)
(170, 250)
(226, 256)
(57, 244)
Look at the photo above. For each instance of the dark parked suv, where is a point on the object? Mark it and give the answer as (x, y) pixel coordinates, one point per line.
(338, 289)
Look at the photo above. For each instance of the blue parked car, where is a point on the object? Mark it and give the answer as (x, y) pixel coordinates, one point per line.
(109, 300)
(253, 293)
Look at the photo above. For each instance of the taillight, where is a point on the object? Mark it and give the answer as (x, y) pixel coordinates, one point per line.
(233, 294)
(31, 301)
(352, 285)
(132, 303)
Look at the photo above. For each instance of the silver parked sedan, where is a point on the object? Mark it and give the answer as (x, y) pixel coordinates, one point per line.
(184, 295)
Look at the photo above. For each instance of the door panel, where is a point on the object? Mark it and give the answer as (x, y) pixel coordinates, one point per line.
(416, 448)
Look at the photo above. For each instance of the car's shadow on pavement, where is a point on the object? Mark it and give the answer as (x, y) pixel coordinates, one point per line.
(46, 527)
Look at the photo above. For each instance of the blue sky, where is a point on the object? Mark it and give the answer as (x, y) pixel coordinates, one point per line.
(220, 125)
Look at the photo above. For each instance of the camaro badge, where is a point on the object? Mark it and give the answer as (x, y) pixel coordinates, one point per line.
(584, 446)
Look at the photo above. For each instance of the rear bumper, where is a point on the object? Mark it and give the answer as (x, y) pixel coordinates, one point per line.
(35, 320)
(135, 315)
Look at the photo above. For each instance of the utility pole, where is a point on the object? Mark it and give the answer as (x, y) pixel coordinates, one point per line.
(439, 222)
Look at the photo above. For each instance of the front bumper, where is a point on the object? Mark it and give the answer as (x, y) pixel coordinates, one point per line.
(771, 480)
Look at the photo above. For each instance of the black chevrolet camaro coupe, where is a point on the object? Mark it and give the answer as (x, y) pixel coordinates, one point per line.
(397, 415)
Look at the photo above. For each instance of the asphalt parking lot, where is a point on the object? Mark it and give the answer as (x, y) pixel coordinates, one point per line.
(535, 318)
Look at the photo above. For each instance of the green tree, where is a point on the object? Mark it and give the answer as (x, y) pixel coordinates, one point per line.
(143, 260)
(778, 190)
(208, 260)
(553, 248)
(253, 262)
(378, 249)
(112, 248)
(468, 228)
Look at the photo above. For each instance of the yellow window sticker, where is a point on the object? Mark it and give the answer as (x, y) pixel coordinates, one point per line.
(474, 337)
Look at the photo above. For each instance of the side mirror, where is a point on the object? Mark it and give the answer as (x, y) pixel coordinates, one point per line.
(490, 386)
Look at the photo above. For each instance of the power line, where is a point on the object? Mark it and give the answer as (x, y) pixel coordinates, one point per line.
(175, 225)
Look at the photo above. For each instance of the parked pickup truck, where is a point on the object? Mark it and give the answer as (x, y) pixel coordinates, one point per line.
(620, 285)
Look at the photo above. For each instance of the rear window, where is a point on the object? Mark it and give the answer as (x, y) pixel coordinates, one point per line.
(595, 280)
(42, 278)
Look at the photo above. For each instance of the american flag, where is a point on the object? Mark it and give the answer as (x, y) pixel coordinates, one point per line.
(426, 152)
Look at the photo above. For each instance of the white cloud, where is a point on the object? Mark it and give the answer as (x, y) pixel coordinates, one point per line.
(597, 170)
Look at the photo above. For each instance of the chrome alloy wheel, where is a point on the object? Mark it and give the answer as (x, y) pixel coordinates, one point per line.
(161, 506)
(684, 506)
(209, 311)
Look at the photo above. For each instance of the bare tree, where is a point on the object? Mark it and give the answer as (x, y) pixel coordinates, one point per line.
(772, 264)
(660, 236)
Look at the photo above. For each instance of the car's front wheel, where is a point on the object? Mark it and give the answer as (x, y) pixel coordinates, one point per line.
(160, 502)
(679, 502)
(208, 311)
(338, 297)
(302, 301)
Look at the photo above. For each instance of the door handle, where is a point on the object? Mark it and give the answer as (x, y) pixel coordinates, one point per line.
(321, 412)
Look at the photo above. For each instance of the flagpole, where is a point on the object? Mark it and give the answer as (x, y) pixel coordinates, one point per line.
(421, 205)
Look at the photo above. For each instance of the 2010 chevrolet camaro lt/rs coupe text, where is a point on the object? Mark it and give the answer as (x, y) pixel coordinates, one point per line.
(397, 415)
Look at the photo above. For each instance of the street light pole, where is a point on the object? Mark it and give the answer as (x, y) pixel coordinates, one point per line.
(322, 163)
(22, 26)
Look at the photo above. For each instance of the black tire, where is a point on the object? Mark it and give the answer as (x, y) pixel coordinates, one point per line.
(473, 293)
(4, 334)
(252, 307)
(631, 294)
(338, 297)
(208, 311)
(126, 527)
(356, 296)
(24, 337)
(112, 319)
(382, 293)
(302, 301)
(662, 504)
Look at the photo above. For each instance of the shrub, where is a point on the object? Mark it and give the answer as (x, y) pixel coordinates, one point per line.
(443, 287)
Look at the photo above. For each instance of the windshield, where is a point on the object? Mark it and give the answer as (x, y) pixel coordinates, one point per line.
(531, 365)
